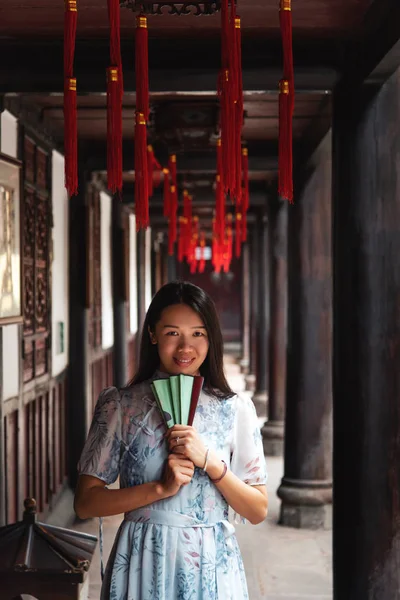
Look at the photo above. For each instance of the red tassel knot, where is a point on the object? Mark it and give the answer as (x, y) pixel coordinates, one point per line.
(70, 107)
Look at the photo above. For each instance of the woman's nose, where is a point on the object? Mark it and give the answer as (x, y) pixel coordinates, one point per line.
(183, 343)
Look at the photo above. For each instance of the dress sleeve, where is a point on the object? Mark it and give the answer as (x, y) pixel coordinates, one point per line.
(100, 455)
(247, 460)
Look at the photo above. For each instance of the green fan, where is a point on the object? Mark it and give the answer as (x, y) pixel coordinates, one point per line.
(177, 398)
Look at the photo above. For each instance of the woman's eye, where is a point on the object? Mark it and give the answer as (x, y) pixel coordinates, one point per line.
(198, 333)
(172, 333)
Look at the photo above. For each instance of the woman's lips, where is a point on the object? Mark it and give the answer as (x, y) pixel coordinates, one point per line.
(184, 362)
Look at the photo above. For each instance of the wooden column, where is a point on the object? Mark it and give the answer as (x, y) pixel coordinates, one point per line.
(306, 488)
(119, 296)
(250, 378)
(366, 541)
(273, 429)
(260, 397)
(79, 302)
(245, 316)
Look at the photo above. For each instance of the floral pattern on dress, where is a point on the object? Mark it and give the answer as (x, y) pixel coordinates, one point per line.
(182, 547)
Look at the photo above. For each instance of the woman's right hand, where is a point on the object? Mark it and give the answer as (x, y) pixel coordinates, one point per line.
(178, 472)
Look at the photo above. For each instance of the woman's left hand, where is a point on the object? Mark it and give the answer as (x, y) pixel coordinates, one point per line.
(185, 440)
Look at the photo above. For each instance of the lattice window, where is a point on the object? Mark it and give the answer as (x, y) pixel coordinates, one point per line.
(36, 259)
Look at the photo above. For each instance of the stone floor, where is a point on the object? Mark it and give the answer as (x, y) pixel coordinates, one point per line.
(281, 563)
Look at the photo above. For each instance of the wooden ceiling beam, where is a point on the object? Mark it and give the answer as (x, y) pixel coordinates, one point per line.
(374, 54)
(175, 80)
(37, 68)
(159, 224)
(262, 157)
(203, 201)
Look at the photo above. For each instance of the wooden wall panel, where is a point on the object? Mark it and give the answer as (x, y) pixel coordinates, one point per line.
(11, 465)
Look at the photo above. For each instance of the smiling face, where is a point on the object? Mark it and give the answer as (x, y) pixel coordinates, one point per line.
(181, 339)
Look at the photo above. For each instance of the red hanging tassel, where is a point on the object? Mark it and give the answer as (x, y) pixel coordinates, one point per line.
(181, 238)
(202, 261)
(220, 166)
(245, 192)
(219, 194)
(153, 170)
(227, 256)
(173, 202)
(115, 91)
(187, 217)
(213, 243)
(285, 184)
(238, 82)
(70, 110)
(245, 169)
(286, 105)
(193, 245)
(238, 234)
(220, 208)
(285, 19)
(172, 169)
(114, 129)
(172, 229)
(141, 178)
(216, 250)
(226, 93)
(166, 193)
(142, 115)
(142, 67)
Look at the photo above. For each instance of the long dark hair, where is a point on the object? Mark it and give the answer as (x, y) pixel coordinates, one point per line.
(212, 368)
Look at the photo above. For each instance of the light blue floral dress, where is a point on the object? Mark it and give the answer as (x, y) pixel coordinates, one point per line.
(183, 547)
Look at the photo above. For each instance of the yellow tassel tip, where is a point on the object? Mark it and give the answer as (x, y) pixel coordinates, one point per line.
(284, 86)
(141, 22)
(285, 5)
(72, 84)
(70, 5)
(112, 74)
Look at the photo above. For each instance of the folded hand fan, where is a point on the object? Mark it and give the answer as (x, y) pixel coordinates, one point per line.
(162, 393)
(177, 398)
(197, 385)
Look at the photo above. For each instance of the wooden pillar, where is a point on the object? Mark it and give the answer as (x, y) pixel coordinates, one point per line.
(273, 429)
(245, 316)
(306, 488)
(260, 397)
(366, 540)
(119, 295)
(79, 302)
(250, 378)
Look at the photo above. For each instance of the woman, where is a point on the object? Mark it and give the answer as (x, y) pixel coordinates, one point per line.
(175, 542)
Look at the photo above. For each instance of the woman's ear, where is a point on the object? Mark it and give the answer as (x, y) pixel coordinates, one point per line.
(152, 336)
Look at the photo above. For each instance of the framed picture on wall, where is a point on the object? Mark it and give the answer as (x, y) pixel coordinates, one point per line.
(10, 240)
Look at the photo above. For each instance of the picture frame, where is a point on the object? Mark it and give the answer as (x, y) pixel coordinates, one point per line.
(10, 241)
